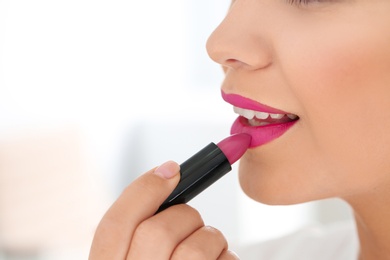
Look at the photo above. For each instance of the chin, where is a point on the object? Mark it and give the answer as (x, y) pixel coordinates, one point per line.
(272, 185)
(262, 185)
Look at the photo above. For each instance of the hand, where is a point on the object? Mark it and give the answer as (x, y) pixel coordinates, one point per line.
(130, 230)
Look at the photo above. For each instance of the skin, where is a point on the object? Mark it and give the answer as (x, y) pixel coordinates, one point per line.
(327, 62)
(130, 230)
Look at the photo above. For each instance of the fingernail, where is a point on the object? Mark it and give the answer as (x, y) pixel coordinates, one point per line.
(167, 170)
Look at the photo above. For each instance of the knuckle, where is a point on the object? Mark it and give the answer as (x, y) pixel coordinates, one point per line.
(217, 234)
(189, 211)
(213, 230)
(208, 242)
(151, 231)
(228, 255)
(190, 251)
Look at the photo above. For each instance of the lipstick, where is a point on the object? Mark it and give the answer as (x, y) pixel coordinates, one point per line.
(261, 134)
(206, 167)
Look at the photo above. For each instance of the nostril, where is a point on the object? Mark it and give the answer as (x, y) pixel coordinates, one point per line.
(233, 63)
(239, 54)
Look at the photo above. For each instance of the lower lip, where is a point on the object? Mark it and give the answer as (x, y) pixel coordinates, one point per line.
(260, 134)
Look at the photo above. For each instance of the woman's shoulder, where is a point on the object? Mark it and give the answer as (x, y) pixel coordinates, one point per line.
(337, 241)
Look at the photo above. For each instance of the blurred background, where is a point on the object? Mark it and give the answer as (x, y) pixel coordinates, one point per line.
(94, 93)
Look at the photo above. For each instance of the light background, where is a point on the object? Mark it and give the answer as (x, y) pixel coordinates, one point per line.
(122, 86)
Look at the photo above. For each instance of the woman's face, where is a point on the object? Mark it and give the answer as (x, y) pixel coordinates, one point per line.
(327, 62)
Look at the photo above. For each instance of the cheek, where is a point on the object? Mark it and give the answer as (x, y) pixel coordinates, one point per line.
(344, 90)
(342, 87)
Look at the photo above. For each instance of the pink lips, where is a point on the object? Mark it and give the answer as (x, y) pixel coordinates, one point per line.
(260, 134)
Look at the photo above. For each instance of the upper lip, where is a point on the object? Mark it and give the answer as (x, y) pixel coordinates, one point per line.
(246, 103)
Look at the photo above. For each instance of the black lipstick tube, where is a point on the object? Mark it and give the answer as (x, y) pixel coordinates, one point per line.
(197, 173)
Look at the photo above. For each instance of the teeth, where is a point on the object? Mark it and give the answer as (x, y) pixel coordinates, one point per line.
(251, 114)
(257, 123)
(262, 115)
(292, 116)
(237, 110)
(276, 116)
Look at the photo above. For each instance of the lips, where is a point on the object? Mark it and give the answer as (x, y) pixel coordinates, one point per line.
(262, 122)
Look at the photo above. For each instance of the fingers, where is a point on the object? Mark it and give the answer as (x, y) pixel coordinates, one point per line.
(139, 201)
(205, 243)
(157, 237)
(228, 255)
(130, 230)
(180, 230)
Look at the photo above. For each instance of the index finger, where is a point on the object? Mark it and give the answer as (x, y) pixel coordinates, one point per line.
(139, 201)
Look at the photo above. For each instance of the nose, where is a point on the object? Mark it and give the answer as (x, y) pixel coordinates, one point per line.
(240, 41)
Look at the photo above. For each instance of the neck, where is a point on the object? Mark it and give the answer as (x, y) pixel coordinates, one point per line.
(372, 215)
